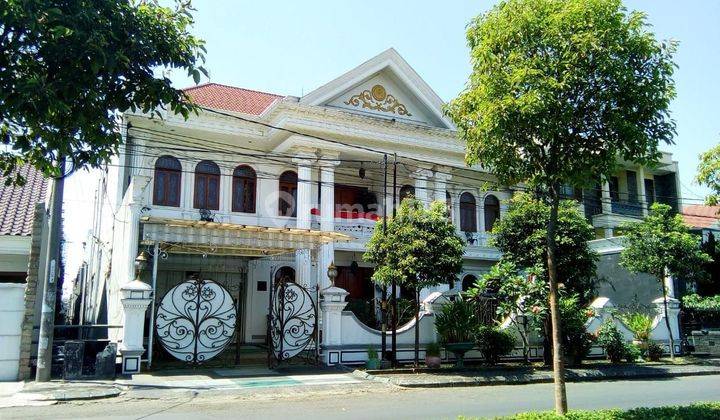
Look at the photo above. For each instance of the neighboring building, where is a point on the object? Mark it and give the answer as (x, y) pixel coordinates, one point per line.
(702, 219)
(245, 203)
(22, 230)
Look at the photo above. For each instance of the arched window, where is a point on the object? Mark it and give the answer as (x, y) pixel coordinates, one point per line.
(243, 189)
(468, 216)
(285, 274)
(166, 186)
(468, 282)
(207, 186)
(405, 192)
(288, 194)
(492, 212)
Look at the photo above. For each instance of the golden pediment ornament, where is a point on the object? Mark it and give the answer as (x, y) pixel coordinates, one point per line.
(377, 99)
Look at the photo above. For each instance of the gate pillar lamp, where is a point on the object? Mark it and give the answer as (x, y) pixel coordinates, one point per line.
(332, 273)
(135, 297)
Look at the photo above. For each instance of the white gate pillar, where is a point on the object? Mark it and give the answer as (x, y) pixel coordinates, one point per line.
(135, 298)
(332, 305)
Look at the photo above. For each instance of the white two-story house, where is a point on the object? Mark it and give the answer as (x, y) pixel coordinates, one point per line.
(260, 186)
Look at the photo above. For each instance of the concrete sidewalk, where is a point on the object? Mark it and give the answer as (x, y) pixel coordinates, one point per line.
(171, 384)
(522, 375)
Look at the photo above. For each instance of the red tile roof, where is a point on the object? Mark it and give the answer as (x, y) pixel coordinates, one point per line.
(230, 98)
(17, 204)
(699, 216)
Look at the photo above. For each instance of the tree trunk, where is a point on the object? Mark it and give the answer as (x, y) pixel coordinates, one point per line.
(417, 328)
(667, 320)
(558, 366)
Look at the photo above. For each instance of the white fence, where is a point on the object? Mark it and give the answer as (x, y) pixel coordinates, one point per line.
(345, 340)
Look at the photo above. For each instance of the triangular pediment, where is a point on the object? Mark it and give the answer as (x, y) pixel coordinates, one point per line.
(386, 87)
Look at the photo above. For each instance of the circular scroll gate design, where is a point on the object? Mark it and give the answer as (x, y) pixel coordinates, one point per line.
(293, 321)
(196, 320)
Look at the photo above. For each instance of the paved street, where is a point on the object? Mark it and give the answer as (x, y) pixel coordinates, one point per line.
(379, 401)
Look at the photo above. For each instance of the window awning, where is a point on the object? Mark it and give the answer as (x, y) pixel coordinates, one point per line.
(196, 237)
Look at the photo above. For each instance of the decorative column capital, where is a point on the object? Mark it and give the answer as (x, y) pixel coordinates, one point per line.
(421, 174)
(442, 176)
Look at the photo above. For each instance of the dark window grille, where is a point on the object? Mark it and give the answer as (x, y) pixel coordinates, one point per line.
(492, 212)
(468, 215)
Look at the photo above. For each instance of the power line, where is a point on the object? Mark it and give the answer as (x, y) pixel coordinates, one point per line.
(452, 174)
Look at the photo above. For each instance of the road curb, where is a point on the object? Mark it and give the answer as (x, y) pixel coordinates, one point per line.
(530, 379)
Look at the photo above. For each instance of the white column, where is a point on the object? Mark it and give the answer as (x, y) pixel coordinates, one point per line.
(421, 185)
(642, 194)
(480, 212)
(606, 206)
(332, 305)
(135, 300)
(441, 186)
(225, 190)
(134, 204)
(327, 219)
(303, 205)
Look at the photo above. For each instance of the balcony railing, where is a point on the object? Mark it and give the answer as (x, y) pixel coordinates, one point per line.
(628, 208)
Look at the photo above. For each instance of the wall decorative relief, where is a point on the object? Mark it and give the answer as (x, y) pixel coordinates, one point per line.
(377, 99)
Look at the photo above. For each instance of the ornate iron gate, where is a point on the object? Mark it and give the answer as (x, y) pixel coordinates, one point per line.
(292, 324)
(196, 320)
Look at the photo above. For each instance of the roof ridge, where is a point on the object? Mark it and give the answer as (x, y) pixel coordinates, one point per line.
(232, 87)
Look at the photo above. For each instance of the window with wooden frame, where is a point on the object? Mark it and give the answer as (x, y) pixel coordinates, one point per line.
(288, 194)
(244, 187)
(492, 212)
(468, 214)
(166, 183)
(207, 186)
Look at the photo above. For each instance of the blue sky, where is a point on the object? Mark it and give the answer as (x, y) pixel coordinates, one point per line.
(292, 47)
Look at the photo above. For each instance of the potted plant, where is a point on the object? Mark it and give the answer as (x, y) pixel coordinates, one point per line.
(641, 326)
(373, 361)
(456, 326)
(432, 356)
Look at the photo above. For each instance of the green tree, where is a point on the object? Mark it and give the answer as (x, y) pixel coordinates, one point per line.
(709, 174)
(559, 90)
(521, 238)
(419, 249)
(521, 297)
(661, 246)
(68, 67)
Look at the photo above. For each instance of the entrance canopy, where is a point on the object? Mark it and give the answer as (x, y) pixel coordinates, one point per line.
(196, 236)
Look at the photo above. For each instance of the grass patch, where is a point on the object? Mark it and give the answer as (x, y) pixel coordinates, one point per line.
(700, 411)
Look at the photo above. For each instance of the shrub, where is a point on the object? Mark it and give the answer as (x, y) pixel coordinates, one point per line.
(456, 322)
(610, 339)
(372, 353)
(640, 324)
(632, 353)
(432, 349)
(690, 412)
(654, 351)
(494, 343)
(577, 341)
